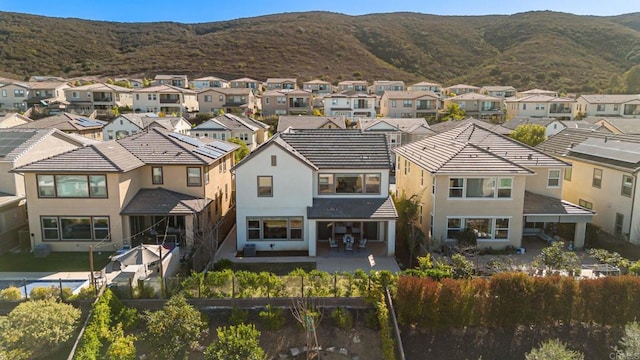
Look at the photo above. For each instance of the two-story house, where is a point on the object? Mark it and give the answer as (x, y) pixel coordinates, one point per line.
(168, 99)
(227, 126)
(210, 82)
(460, 89)
(427, 86)
(603, 176)
(499, 91)
(478, 106)
(151, 187)
(409, 104)
(317, 87)
(69, 124)
(359, 86)
(310, 186)
(100, 97)
(230, 100)
(287, 102)
(19, 147)
(127, 124)
(350, 105)
(306, 122)
(45, 94)
(246, 83)
(13, 97)
(470, 178)
(172, 80)
(541, 106)
(380, 86)
(608, 105)
(281, 84)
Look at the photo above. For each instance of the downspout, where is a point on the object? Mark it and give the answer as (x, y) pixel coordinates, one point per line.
(633, 200)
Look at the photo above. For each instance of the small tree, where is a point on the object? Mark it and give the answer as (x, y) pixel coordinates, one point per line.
(553, 350)
(630, 342)
(408, 233)
(175, 329)
(239, 342)
(555, 258)
(453, 112)
(308, 316)
(462, 268)
(242, 151)
(38, 327)
(530, 134)
(121, 347)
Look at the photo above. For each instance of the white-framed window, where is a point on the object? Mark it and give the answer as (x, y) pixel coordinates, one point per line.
(156, 175)
(4, 92)
(393, 103)
(75, 228)
(601, 107)
(265, 186)
(75, 94)
(480, 188)
(407, 166)
(553, 178)
(585, 204)
(266, 100)
(627, 185)
(596, 181)
(208, 98)
(72, 186)
(485, 228)
(286, 228)
(194, 176)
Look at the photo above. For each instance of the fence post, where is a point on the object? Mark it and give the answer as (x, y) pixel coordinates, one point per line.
(61, 292)
(200, 286)
(233, 286)
(268, 288)
(302, 285)
(24, 283)
(335, 285)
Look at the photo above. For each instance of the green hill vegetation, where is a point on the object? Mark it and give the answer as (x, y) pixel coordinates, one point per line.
(549, 50)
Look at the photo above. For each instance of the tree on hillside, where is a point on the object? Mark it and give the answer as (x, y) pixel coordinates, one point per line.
(632, 80)
(553, 350)
(452, 112)
(242, 152)
(175, 329)
(37, 327)
(239, 342)
(530, 134)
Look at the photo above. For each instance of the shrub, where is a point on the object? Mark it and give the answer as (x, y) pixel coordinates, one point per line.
(86, 293)
(272, 318)
(121, 347)
(467, 237)
(388, 351)
(342, 318)
(11, 293)
(462, 268)
(553, 350)
(239, 342)
(371, 320)
(630, 342)
(238, 316)
(51, 292)
(129, 318)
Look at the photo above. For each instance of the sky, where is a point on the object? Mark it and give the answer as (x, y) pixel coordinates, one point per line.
(197, 11)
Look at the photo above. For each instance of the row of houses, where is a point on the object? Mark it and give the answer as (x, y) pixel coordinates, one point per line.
(171, 94)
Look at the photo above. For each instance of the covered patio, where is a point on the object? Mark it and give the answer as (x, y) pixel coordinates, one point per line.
(544, 216)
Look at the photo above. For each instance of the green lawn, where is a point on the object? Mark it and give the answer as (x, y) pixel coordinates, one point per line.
(58, 261)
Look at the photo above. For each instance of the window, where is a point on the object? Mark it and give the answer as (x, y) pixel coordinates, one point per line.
(156, 175)
(221, 98)
(407, 103)
(627, 185)
(325, 184)
(553, 178)
(597, 178)
(348, 183)
(137, 96)
(4, 92)
(393, 103)
(206, 174)
(616, 107)
(265, 186)
(456, 186)
(480, 188)
(18, 93)
(480, 226)
(275, 228)
(372, 183)
(70, 228)
(421, 177)
(619, 223)
(75, 94)
(600, 107)
(208, 98)
(504, 187)
(274, 160)
(194, 177)
(420, 209)
(567, 173)
(72, 186)
(454, 227)
(502, 229)
(585, 204)
(226, 192)
(407, 166)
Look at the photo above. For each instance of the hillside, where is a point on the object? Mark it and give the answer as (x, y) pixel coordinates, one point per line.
(535, 49)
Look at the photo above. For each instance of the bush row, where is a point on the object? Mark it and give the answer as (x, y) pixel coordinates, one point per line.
(510, 299)
(386, 330)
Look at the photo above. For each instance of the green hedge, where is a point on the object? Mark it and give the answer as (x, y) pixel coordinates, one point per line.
(510, 299)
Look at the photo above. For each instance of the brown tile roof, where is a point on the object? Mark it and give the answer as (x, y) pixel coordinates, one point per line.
(352, 208)
(161, 201)
(409, 95)
(16, 142)
(164, 89)
(65, 122)
(535, 204)
(309, 122)
(448, 125)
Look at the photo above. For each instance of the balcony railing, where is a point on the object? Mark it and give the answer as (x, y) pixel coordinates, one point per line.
(425, 107)
(560, 111)
(169, 101)
(103, 99)
(299, 104)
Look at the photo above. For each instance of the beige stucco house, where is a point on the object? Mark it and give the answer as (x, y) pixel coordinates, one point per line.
(541, 106)
(602, 105)
(210, 82)
(460, 89)
(317, 87)
(380, 86)
(70, 124)
(151, 187)
(350, 105)
(281, 83)
(287, 102)
(13, 119)
(603, 177)
(227, 126)
(168, 99)
(171, 80)
(246, 83)
(229, 100)
(409, 104)
(287, 123)
(19, 147)
(359, 86)
(475, 179)
(479, 106)
(499, 91)
(100, 97)
(435, 88)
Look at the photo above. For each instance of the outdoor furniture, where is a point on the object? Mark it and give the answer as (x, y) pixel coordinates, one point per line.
(362, 244)
(332, 243)
(348, 242)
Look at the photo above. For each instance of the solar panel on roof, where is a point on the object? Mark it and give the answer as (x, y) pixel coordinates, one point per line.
(85, 122)
(222, 145)
(211, 152)
(609, 149)
(9, 141)
(187, 139)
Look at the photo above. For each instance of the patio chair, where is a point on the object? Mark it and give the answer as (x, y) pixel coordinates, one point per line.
(332, 243)
(348, 246)
(362, 244)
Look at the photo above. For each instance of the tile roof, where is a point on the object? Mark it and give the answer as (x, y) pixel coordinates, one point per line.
(462, 86)
(610, 99)
(165, 89)
(409, 95)
(155, 146)
(539, 92)
(407, 125)
(317, 81)
(210, 78)
(15, 142)
(518, 121)
(472, 148)
(448, 125)
(425, 83)
(473, 96)
(280, 80)
(352, 208)
(65, 122)
(332, 149)
(309, 122)
(535, 204)
(161, 201)
(623, 125)
(560, 143)
(228, 91)
(100, 87)
(244, 79)
(498, 88)
(539, 98)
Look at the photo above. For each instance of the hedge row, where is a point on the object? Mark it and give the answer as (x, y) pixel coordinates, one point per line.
(510, 299)
(97, 332)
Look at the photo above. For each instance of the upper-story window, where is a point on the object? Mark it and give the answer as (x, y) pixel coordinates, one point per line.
(601, 107)
(480, 187)
(194, 176)
(156, 175)
(265, 186)
(72, 186)
(208, 98)
(4, 92)
(18, 93)
(553, 179)
(627, 185)
(349, 183)
(597, 178)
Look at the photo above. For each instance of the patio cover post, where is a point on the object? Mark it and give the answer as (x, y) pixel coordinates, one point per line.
(579, 235)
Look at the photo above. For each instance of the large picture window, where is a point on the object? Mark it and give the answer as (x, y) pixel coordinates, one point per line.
(482, 188)
(274, 228)
(349, 183)
(485, 228)
(72, 186)
(75, 228)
